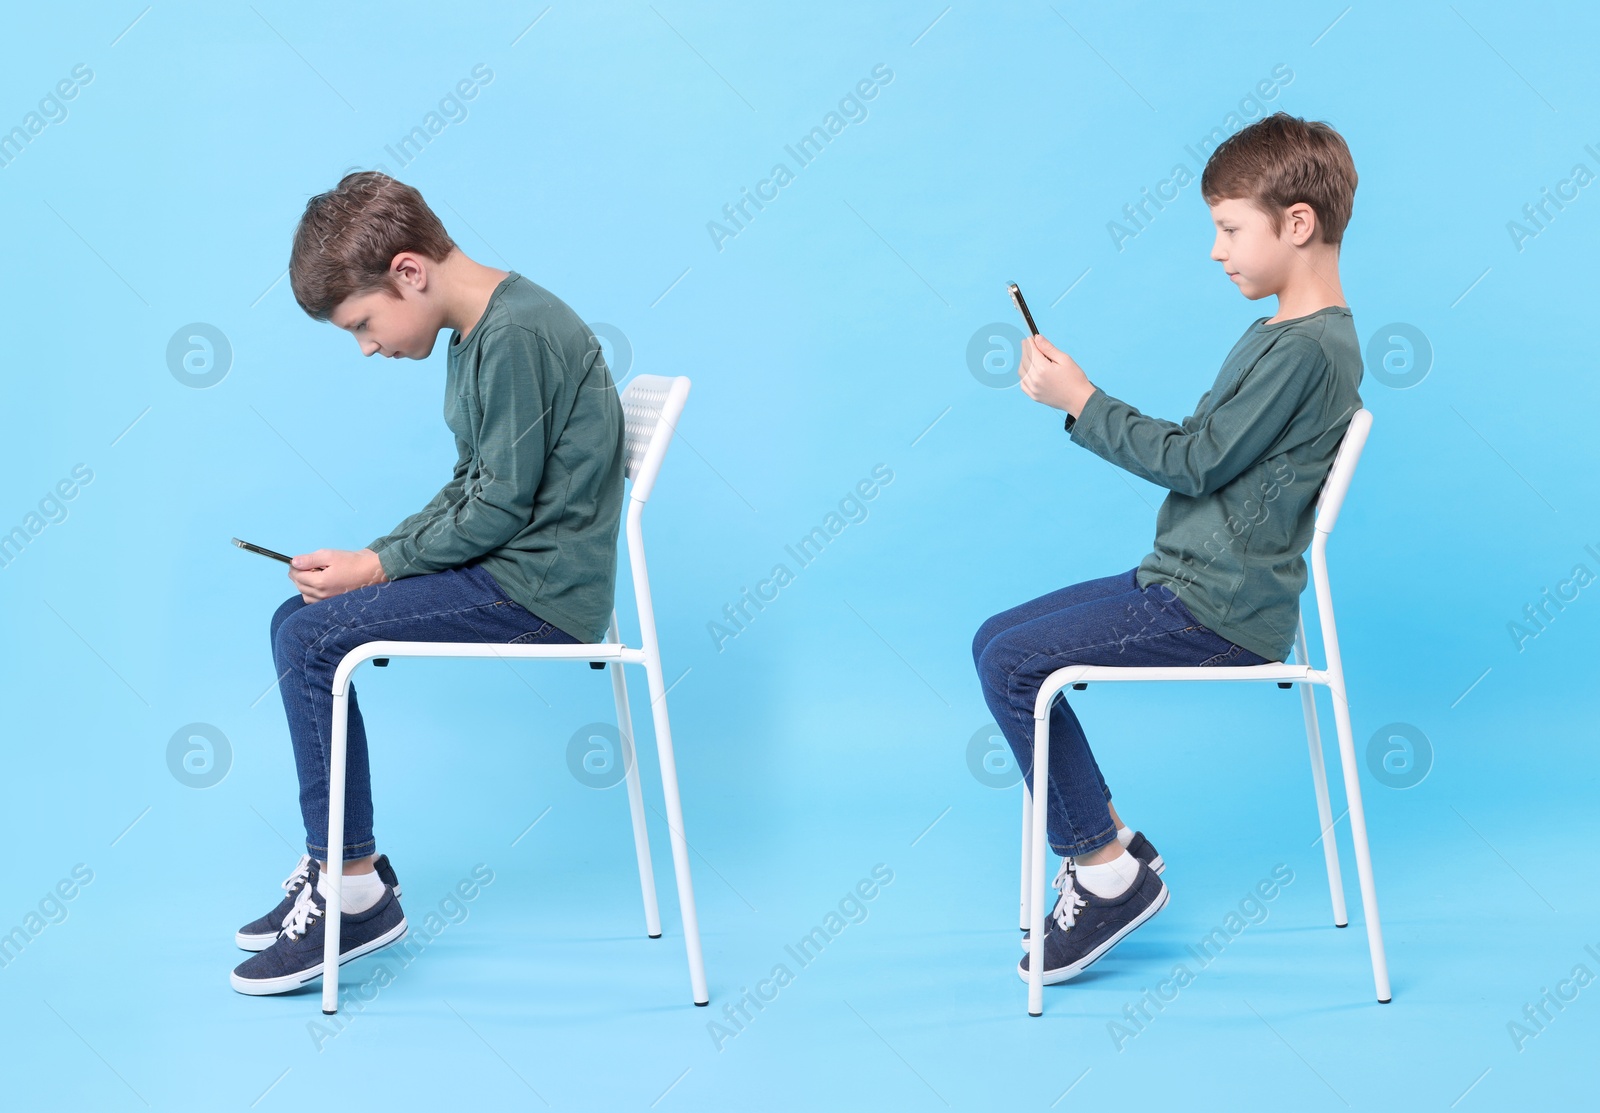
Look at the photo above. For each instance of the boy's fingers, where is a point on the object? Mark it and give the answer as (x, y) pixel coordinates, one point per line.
(1030, 356)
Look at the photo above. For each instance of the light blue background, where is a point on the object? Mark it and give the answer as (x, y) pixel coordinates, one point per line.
(830, 336)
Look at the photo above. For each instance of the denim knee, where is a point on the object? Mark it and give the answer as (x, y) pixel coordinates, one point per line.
(986, 634)
(290, 638)
(290, 606)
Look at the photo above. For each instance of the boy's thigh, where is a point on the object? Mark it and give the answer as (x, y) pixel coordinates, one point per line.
(1127, 629)
(1062, 599)
(456, 605)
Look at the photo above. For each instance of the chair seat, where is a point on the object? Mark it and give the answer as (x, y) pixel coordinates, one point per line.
(1082, 674)
(581, 651)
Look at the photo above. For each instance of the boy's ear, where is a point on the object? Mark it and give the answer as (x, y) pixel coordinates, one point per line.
(409, 269)
(1301, 221)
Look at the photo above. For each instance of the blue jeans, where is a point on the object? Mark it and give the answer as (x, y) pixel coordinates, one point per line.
(309, 640)
(1109, 621)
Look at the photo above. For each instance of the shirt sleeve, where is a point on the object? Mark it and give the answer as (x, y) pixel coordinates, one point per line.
(1209, 449)
(448, 494)
(488, 505)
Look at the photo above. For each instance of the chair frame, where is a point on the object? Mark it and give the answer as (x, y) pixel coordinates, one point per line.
(1329, 501)
(652, 405)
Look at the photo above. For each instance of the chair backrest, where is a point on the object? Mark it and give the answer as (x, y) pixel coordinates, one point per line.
(651, 406)
(1337, 484)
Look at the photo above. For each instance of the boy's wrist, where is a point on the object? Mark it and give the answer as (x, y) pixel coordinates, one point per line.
(376, 575)
(1076, 401)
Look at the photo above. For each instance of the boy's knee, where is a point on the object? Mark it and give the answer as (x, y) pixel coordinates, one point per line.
(986, 634)
(990, 657)
(291, 632)
(290, 606)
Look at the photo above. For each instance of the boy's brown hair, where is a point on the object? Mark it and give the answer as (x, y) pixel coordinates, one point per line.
(1279, 161)
(348, 236)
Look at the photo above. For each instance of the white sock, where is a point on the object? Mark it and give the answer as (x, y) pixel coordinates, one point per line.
(1124, 835)
(357, 891)
(1110, 879)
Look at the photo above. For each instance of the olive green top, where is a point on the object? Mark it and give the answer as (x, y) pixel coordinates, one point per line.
(1244, 472)
(537, 493)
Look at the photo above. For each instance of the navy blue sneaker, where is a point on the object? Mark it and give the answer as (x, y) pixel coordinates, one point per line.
(296, 957)
(260, 933)
(1140, 847)
(1085, 926)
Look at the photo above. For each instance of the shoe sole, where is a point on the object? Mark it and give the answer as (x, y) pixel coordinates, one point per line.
(1155, 864)
(266, 939)
(263, 987)
(255, 942)
(1066, 973)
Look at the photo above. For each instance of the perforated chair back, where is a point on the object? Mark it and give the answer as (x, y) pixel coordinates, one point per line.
(1337, 484)
(651, 406)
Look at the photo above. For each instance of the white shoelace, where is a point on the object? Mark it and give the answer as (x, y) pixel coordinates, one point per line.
(305, 909)
(1065, 912)
(300, 874)
(1068, 907)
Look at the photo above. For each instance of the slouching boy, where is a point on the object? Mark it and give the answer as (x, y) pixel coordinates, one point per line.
(520, 546)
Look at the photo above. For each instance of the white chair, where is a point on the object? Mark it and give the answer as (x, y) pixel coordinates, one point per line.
(1078, 676)
(651, 406)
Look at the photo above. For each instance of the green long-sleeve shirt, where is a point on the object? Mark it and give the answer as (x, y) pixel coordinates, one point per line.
(536, 497)
(1244, 472)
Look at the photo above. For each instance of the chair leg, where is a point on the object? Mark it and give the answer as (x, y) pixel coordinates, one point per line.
(641, 832)
(680, 845)
(1319, 778)
(1041, 796)
(330, 946)
(1027, 847)
(1358, 832)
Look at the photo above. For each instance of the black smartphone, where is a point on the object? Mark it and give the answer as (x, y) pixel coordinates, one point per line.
(1022, 307)
(263, 552)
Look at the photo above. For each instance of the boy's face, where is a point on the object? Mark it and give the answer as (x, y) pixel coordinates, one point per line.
(405, 326)
(1257, 262)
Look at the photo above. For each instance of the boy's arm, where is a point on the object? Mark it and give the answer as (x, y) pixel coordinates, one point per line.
(476, 517)
(1206, 452)
(448, 494)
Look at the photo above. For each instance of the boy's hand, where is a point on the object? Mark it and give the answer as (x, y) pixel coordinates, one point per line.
(329, 572)
(1051, 376)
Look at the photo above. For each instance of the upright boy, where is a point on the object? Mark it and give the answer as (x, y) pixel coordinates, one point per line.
(1222, 583)
(519, 546)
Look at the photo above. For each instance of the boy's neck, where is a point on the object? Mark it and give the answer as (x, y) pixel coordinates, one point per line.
(1313, 284)
(466, 287)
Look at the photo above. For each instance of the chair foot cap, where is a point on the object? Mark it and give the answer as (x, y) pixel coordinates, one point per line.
(1337, 924)
(657, 935)
(702, 1004)
(1032, 1013)
(330, 1012)
(1384, 1000)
